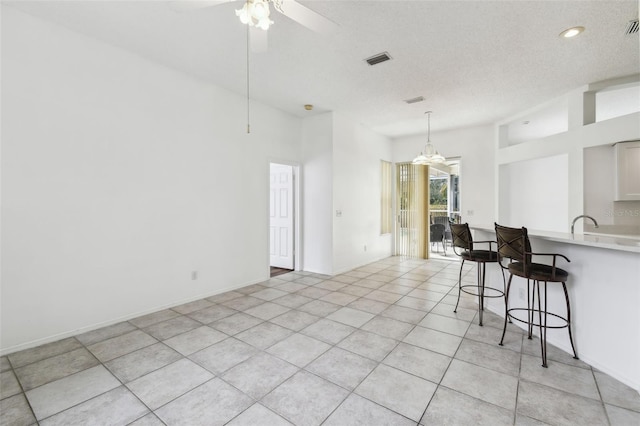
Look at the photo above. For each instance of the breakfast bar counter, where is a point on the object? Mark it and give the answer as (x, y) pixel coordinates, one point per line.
(605, 241)
(604, 288)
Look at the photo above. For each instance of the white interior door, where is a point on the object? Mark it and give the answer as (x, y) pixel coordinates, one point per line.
(281, 216)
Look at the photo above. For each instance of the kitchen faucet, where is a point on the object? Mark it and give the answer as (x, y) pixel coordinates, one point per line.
(585, 216)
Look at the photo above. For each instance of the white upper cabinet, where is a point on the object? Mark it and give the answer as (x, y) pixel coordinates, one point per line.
(628, 171)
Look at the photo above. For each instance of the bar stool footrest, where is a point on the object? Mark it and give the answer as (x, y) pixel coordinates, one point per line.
(465, 289)
(536, 313)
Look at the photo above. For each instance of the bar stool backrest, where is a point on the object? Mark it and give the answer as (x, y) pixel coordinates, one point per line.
(461, 235)
(513, 244)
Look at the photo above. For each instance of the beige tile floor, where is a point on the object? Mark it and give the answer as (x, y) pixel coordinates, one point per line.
(379, 345)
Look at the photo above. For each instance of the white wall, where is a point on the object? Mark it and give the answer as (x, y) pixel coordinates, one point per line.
(599, 183)
(119, 178)
(475, 147)
(357, 153)
(342, 172)
(623, 217)
(538, 193)
(572, 144)
(317, 195)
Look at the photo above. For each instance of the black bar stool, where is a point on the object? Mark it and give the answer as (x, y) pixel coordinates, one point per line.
(463, 247)
(514, 245)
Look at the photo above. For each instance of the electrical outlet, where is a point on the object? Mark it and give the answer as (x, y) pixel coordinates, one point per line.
(338, 213)
(365, 247)
(194, 275)
(521, 294)
(469, 212)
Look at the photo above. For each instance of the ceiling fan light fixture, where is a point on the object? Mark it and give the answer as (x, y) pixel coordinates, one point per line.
(260, 9)
(264, 23)
(255, 12)
(245, 14)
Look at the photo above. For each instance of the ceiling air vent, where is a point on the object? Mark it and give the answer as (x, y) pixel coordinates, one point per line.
(632, 27)
(376, 59)
(415, 100)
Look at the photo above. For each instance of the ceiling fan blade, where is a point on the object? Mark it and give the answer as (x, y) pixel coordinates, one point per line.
(258, 39)
(187, 5)
(307, 17)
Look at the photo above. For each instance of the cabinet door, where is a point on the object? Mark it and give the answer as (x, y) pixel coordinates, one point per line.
(628, 171)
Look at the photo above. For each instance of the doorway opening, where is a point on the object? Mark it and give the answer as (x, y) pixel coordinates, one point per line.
(282, 222)
(444, 205)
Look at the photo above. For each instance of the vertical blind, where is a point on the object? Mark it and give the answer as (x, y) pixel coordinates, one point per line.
(386, 205)
(412, 190)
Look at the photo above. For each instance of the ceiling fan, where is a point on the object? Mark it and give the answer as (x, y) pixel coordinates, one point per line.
(257, 14)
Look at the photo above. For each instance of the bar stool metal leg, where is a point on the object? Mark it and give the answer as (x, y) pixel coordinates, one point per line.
(506, 309)
(566, 296)
(480, 291)
(504, 290)
(542, 326)
(531, 294)
(459, 286)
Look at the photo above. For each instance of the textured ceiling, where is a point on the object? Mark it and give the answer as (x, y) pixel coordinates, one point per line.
(475, 62)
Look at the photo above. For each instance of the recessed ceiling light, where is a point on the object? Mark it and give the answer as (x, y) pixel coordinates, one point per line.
(571, 32)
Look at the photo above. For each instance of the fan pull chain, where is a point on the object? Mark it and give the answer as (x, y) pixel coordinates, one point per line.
(248, 102)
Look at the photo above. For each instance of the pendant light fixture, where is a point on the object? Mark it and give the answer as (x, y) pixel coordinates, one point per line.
(431, 155)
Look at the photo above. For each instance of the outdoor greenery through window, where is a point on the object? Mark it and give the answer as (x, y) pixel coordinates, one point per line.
(438, 190)
(438, 193)
(444, 193)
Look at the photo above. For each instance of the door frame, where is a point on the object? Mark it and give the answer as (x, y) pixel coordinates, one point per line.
(297, 225)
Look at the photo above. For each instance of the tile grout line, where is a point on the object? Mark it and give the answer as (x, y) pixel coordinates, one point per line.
(604, 407)
(141, 329)
(443, 374)
(381, 362)
(515, 410)
(22, 391)
(117, 378)
(398, 340)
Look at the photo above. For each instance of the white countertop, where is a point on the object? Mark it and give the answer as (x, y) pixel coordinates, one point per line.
(610, 242)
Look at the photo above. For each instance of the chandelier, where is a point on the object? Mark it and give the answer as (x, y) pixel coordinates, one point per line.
(431, 155)
(256, 13)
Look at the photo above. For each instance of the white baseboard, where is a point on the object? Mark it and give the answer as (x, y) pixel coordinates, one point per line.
(71, 333)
